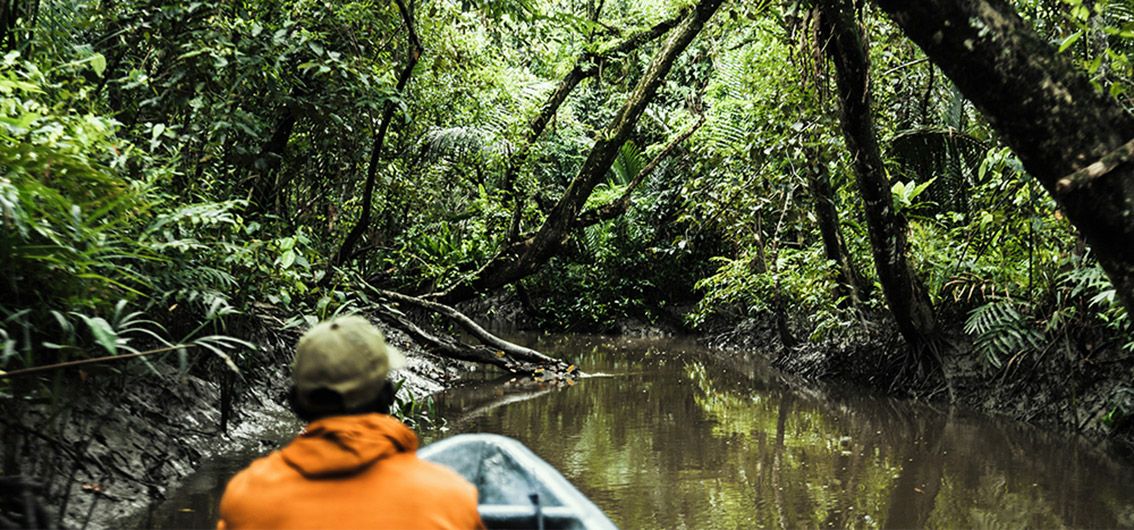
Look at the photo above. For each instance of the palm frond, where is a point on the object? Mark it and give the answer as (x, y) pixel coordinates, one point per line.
(462, 142)
(628, 164)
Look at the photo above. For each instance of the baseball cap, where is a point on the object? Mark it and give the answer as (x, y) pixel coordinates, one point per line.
(347, 355)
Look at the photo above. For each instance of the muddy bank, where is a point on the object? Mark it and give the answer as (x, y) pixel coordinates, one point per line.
(117, 438)
(1063, 390)
(1070, 387)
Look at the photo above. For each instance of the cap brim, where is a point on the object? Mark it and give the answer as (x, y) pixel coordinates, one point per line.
(396, 357)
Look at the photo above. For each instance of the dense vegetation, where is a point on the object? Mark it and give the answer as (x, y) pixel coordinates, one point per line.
(170, 167)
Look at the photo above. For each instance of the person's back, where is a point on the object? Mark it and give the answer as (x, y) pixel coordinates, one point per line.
(354, 466)
(356, 471)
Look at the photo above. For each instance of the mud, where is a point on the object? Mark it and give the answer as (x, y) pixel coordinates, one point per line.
(1061, 390)
(127, 435)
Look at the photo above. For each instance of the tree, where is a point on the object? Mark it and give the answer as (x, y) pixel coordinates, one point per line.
(413, 53)
(850, 283)
(906, 296)
(530, 254)
(586, 66)
(1076, 141)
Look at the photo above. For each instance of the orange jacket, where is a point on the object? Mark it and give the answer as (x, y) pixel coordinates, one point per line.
(351, 472)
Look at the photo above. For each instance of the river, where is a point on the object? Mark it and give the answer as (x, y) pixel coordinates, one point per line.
(665, 434)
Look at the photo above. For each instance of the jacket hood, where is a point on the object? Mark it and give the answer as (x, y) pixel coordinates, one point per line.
(345, 445)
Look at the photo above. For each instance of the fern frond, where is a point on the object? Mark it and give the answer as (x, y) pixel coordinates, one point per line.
(1000, 330)
(628, 164)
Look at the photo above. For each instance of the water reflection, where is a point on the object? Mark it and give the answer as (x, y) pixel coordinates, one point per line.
(676, 438)
(669, 436)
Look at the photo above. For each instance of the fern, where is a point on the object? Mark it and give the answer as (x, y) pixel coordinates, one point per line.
(942, 155)
(1090, 282)
(1000, 330)
(462, 142)
(628, 164)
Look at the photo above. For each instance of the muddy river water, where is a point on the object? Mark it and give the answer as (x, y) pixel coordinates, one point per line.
(667, 435)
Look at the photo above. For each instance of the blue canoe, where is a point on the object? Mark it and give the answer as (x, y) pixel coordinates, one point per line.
(517, 488)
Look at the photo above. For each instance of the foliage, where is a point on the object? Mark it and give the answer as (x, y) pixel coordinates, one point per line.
(184, 164)
(418, 413)
(1121, 413)
(89, 230)
(1000, 331)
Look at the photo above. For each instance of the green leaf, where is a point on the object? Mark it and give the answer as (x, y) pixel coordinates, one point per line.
(102, 332)
(98, 64)
(287, 259)
(1070, 41)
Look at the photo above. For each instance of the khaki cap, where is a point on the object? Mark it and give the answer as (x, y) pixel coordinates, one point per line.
(345, 354)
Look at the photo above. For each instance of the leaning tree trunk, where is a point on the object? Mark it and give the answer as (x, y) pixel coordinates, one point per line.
(1078, 142)
(413, 53)
(909, 303)
(532, 253)
(851, 285)
(586, 66)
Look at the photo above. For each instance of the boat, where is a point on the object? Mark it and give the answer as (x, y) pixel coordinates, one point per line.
(517, 488)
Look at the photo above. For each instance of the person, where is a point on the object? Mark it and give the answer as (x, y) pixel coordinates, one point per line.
(354, 465)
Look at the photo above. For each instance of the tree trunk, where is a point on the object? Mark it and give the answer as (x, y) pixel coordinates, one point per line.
(851, 285)
(265, 187)
(622, 204)
(768, 264)
(1075, 140)
(585, 67)
(532, 253)
(909, 303)
(413, 53)
(13, 12)
(535, 130)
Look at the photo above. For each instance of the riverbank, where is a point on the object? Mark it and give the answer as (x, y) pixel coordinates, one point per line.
(1075, 387)
(126, 437)
(1074, 392)
(670, 434)
(129, 437)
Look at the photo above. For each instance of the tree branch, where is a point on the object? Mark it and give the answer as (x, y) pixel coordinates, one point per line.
(622, 204)
(586, 66)
(510, 349)
(413, 53)
(452, 349)
(506, 268)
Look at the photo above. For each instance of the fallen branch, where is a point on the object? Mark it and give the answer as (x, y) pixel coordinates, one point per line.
(510, 349)
(93, 360)
(452, 349)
